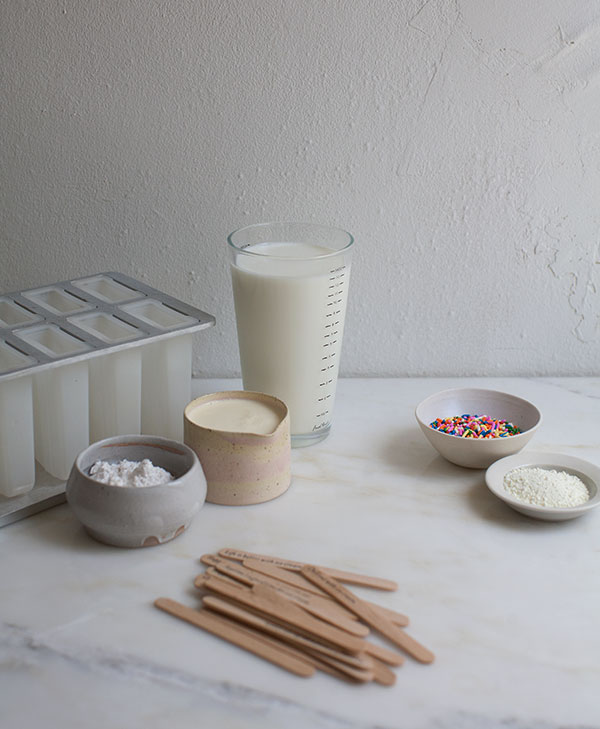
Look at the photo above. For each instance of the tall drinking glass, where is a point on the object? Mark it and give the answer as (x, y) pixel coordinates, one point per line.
(290, 287)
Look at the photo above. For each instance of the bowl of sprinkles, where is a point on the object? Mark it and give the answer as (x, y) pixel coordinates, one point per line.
(473, 427)
(547, 486)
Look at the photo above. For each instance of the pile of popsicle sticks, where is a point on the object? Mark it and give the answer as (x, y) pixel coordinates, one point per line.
(299, 616)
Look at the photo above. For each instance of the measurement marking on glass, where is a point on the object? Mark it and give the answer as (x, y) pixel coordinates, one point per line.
(334, 297)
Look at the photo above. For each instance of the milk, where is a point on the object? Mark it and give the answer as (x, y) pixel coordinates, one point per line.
(236, 416)
(290, 302)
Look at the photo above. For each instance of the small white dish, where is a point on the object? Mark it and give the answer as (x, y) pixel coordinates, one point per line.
(586, 471)
(477, 452)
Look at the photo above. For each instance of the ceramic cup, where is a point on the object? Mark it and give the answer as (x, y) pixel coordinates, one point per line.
(129, 516)
(241, 467)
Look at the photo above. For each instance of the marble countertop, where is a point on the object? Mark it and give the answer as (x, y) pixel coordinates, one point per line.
(510, 605)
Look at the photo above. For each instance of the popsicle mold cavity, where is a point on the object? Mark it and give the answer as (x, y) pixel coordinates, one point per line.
(106, 327)
(57, 300)
(157, 315)
(53, 341)
(11, 358)
(14, 315)
(106, 289)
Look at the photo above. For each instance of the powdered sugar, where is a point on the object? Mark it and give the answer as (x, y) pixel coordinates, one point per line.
(130, 473)
(546, 487)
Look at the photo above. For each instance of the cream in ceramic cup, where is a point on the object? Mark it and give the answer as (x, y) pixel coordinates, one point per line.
(243, 442)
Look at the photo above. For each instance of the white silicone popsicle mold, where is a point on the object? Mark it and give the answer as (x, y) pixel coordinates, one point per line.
(81, 360)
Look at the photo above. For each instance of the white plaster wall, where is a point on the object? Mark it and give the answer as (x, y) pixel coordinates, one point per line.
(459, 142)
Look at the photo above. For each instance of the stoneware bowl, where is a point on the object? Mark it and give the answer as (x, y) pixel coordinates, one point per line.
(129, 516)
(586, 471)
(242, 468)
(477, 452)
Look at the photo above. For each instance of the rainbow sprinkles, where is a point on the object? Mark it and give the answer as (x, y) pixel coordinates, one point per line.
(475, 426)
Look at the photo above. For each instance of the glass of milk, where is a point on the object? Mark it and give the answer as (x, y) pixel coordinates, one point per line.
(290, 288)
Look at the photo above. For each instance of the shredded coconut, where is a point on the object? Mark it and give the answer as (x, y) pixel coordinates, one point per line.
(546, 487)
(130, 473)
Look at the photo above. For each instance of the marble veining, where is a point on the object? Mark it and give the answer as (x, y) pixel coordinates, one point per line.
(24, 652)
(509, 605)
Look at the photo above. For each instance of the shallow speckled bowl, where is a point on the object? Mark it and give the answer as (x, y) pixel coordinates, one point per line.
(129, 516)
(477, 452)
(588, 472)
(242, 468)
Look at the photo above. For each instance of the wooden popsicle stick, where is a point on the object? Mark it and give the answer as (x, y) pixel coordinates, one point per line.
(231, 632)
(349, 577)
(356, 658)
(244, 574)
(299, 581)
(326, 668)
(360, 669)
(212, 560)
(382, 674)
(213, 571)
(268, 601)
(279, 646)
(392, 615)
(358, 674)
(385, 655)
(236, 612)
(199, 580)
(375, 620)
(295, 579)
(323, 608)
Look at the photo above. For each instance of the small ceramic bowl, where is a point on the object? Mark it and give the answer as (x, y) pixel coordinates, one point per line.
(586, 471)
(241, 467)
(477, 452)
(129, 516)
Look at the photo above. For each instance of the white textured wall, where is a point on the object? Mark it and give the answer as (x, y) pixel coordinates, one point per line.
(459, 141)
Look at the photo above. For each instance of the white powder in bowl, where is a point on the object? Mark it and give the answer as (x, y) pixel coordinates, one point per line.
(545, 487)
(130, 473)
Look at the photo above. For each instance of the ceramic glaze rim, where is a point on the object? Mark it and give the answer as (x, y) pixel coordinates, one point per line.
(279, 405)
(175, 447)
(586, 470)
(484, 392)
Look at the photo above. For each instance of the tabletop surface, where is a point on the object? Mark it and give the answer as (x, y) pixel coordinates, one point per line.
(509, 605)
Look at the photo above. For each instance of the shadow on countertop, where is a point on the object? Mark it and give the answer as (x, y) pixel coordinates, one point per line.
(59, 525)
(407, 452)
